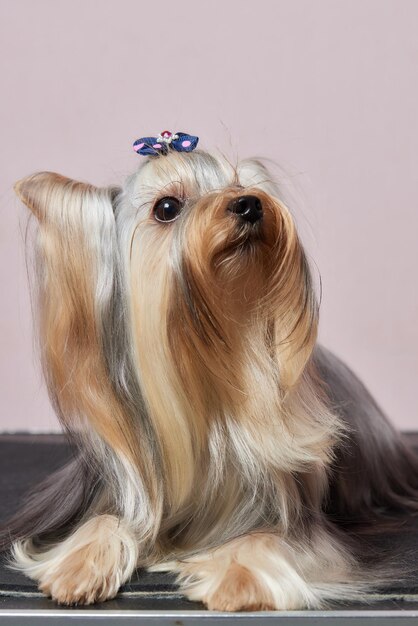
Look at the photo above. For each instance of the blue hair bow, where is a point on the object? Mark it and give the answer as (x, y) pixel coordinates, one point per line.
(181, 142)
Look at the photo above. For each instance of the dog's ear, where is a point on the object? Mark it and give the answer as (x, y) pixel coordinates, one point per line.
(254, 173)
(76, 270)
(47, 192)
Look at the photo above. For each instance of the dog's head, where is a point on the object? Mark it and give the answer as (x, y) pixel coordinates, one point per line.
(216, 264)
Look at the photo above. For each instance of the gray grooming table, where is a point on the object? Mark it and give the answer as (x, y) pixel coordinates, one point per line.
(153, 598)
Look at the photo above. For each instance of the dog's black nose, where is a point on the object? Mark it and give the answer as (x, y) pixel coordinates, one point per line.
(249, 208)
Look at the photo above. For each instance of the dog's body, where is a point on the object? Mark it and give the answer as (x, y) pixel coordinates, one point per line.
(217, 440)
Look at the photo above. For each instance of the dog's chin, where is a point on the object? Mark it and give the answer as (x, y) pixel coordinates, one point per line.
(251, 232)
(250, 239)
(243, 259)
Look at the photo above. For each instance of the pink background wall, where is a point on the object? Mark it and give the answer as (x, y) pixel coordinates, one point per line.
(327, 88)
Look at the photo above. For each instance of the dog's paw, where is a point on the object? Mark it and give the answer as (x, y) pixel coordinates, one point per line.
(239, 590)
(82, 578)
(231, 588)
(92, 564)
(89, 566)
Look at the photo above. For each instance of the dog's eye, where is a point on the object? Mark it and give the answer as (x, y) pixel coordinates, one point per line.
(167, 209)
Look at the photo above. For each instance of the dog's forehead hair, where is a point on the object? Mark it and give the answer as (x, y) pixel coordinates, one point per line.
(197, 172)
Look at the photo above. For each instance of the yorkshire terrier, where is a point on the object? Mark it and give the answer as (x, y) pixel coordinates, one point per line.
(178, 325)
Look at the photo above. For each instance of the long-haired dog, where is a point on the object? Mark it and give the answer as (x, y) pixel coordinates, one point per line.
(178, 325)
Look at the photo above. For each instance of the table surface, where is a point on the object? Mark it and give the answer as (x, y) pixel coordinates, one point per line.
(153, 598)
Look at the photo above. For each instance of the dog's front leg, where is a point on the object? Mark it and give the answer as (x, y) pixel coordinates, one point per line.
(262, 571)
(89, 566)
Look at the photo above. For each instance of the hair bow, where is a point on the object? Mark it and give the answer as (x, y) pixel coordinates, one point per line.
(180, 142)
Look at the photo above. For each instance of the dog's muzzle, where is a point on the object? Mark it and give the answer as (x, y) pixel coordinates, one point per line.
(248, 208)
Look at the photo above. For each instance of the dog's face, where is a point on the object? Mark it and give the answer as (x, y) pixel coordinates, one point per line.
(212, 226)
(216, 265)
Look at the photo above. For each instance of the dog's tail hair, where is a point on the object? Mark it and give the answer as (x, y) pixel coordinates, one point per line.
(55, 507)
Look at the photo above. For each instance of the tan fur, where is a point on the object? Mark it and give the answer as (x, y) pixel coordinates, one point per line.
(240, 591)
(76, 225)
(68, 318)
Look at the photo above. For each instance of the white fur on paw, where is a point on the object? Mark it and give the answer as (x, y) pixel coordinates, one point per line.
(88, 567)
(239, 591)
(224, 587)
(80, 580)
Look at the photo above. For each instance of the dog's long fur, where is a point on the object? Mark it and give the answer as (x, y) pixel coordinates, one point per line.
(216, 438)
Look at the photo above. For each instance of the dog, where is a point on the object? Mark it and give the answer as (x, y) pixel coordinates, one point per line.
(216, 439)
